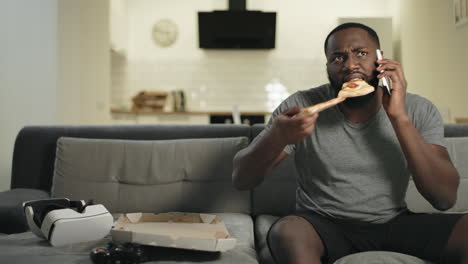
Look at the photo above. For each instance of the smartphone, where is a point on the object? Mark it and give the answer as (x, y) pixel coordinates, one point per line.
(385, 81)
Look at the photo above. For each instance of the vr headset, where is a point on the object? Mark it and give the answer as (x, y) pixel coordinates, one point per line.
(63, 222)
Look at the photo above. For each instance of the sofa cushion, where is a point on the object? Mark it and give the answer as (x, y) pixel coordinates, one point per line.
(36, 145)
(25, 248)
(189, 175)
(457, 148)
(276, 195)
(241, 227)
(262, 225)
(12, 218)
(28, 248)
(376, 257)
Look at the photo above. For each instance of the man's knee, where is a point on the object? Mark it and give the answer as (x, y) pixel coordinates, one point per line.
(283, 229)
(295, 231)
(457, 246)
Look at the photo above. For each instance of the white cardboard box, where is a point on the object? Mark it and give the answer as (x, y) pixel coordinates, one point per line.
(177, 230)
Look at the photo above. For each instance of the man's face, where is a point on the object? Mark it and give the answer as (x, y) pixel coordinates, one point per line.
(351, 54)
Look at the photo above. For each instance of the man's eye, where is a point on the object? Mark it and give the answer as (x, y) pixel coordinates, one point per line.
(338, 59)
(361, 53)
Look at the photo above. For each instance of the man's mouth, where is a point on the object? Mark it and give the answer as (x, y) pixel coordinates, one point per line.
(353, 76)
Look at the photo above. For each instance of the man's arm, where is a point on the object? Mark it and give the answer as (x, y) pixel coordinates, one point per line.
(433, 173)
(253, 163)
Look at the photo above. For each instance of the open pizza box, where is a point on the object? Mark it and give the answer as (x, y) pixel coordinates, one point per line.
(204, 232)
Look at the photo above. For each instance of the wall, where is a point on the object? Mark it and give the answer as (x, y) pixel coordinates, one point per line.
(84, 59)
(54, 67)
(435, 54)
(219, 79)
(118, 20)
(28, 72)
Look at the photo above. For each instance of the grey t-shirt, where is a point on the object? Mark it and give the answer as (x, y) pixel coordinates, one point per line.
(355, 170)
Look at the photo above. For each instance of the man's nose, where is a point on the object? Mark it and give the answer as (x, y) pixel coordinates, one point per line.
(351, 64)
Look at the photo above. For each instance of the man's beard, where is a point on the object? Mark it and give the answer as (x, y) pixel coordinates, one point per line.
(360, 101)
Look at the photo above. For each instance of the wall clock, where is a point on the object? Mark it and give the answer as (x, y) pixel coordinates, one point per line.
(165, 32)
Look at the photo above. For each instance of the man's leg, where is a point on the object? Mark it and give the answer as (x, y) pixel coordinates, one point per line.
(457, 245)
(293, 239)
(439, 238)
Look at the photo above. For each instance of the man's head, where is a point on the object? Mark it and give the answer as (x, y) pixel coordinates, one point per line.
(350, 51)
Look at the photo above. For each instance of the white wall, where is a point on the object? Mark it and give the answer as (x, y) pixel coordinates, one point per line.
(84, 59)
(435, 54)
(225, 77)
(28, 72)
(119, 29)
(54, 67)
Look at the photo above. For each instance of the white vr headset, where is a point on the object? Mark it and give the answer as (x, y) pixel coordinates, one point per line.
(64, 222)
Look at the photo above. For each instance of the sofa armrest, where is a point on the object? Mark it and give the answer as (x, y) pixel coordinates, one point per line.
(12, 218)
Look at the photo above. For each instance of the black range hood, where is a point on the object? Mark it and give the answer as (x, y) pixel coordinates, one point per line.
(236, 28)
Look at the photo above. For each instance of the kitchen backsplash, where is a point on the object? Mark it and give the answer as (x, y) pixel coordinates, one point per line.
(215, 83)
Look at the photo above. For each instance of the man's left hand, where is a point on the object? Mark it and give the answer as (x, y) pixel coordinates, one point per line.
(395, 104)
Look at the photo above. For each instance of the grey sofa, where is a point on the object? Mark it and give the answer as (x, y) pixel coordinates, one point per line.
(161, 168)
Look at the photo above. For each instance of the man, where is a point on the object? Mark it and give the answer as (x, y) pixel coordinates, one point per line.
(354, 162)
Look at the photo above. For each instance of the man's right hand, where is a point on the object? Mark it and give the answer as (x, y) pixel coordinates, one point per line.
(253, 163)
(288, 128)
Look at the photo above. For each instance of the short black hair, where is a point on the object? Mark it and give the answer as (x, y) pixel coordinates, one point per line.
(369, 30)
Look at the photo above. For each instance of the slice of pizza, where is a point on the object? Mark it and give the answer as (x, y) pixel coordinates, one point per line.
(355, 88)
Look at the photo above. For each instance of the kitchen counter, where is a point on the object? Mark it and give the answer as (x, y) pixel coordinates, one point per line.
(186, 117)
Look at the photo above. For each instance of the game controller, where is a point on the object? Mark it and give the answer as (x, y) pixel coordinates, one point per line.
(121, 253)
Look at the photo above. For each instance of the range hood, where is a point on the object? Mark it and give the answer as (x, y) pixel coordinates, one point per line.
(236, 28)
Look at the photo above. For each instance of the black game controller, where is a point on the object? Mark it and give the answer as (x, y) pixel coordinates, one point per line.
(120, 253)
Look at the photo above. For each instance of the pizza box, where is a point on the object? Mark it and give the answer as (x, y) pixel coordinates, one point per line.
(195, 231)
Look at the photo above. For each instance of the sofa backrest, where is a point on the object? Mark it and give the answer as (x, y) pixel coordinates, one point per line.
(184, 175)
(276, 195)
(35, 152)
(35, 146)
(458, 151)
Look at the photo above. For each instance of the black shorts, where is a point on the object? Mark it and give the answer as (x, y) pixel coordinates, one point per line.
(421, 235)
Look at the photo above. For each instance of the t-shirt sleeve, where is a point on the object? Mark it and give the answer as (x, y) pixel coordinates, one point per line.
(428, 121)
(285, 105)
